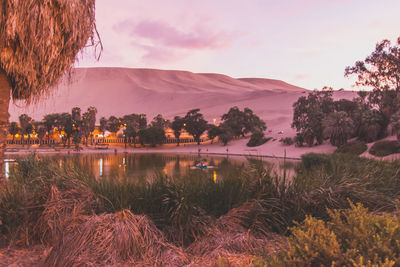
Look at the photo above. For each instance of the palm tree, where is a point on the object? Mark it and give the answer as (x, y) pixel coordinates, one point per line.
(39, 41)
(25, 123)
(338, 127)
(13, 130)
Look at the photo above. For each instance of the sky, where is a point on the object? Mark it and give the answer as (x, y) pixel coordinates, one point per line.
(304, 42)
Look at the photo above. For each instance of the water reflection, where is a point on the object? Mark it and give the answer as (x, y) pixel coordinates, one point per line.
(7, 171)
(145, 166)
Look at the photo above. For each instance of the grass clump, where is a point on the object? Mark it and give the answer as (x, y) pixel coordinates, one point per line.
(354, 148)
(112, 239)
(352, 237)
(41, 200)
(257, 139)
(287, 141)
(385, 148)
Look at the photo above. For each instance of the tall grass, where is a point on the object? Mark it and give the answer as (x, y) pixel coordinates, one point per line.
(187, 208)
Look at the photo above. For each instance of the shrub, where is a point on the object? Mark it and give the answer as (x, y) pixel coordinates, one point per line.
(354, 148)
(313, 160)
(287, 141)
(384, 148)
(299, 140)
(353, 237)
(257, 139)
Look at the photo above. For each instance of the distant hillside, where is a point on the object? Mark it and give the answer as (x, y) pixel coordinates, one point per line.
(119, 91)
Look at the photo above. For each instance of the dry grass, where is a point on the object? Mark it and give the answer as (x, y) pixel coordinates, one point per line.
(63, 212)
(39, 41)
(112, 239)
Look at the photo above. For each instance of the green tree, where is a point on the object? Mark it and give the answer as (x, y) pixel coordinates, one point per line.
(13, 129)
(39, 41)
(309, 112)
(25, 123)
(152, 135)
(338, 126)
(212, 132)
(50, 121)
(371, 125)
(380, 71)
(177, 125)
(103, 125)
(113, 124)
(225, 134)
(159, 121)
(196, 125)
(235, 120)
(252, 123)
(40, 130)
(88, 123)
(66, 125)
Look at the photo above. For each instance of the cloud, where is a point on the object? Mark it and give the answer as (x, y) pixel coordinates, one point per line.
(198, 39)
(163, 42)
(155, 54)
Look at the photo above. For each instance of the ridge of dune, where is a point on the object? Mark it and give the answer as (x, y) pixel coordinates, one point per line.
(121, 91)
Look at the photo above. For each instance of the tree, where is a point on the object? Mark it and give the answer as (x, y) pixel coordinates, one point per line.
(152, 135)
(225, 134)
(50, 121)
(212, 132)
(252, 123)
(371, 125)
(40, 130)
(113, 124)
(380, 71)
(25, 123)
(13, 129)
(66, 125)
(159, 121)
(177, 125)
(235, 120)
(39, 41)
(309, 112)
(88, 123)
(338, 127)
(195, 124)
(103, 125)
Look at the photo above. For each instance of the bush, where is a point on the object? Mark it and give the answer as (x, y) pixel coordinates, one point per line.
(287, 141)
(354, 148)
(312, 160)
(353, 237)
(385, 148)
(257, 139)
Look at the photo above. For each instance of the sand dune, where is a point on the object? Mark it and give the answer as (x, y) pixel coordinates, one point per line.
(119, 91)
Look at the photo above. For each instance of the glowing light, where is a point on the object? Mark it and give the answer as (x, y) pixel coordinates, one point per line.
(165, 171)
(215, 176)
(7, 172)
(101, 167)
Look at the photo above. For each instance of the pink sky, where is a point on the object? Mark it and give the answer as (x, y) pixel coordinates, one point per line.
(305, 42)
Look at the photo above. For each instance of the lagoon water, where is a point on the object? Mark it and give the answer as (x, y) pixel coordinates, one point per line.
(144, 166)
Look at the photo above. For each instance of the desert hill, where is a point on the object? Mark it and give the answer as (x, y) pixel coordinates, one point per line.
(120, 91)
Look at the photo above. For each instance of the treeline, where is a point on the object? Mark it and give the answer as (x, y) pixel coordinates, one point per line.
(367, 117)
(78, 128)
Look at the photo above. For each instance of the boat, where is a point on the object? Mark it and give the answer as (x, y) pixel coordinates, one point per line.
(201, 166)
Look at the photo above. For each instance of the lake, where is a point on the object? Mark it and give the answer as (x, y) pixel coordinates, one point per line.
(140, 166)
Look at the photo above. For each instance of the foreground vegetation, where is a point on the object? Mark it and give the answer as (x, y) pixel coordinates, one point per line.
(187, 219)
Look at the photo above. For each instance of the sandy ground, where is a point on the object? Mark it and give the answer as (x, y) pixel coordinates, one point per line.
(236, 147)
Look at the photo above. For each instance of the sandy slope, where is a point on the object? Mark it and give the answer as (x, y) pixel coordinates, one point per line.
(120, 91)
